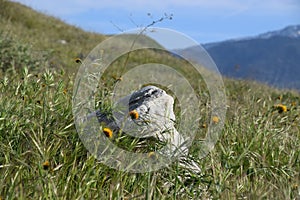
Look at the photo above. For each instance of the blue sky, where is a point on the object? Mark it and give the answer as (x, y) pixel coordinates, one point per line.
(203, 20)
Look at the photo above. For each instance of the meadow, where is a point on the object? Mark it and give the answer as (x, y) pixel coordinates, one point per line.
(256, 157)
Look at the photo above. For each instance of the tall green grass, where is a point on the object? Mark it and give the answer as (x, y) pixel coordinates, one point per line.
(256, 157)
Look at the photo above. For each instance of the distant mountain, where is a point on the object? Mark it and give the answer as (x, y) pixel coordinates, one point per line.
(290, 31)
(272, 57)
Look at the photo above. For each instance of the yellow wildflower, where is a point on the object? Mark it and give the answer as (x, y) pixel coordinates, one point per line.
(65, 91)
(117, 78)
(279, 98)
(46, 165)
(295, 186)
(78, 60)
(215, 119)
(108, 132)
(152, 155)
(134, 114)
(281, 108)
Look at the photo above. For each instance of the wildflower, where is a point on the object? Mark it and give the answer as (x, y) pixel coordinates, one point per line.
(108, 132)
(46, 165)
(279, 98)
(78, 60)
(204, 125)
(65, 91)
(215, 119)
(281, 108)
(117, 78)
(134, 114)
(152, 155)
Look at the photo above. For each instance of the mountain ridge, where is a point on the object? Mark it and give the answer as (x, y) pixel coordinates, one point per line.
(292, 31)
(272, 57)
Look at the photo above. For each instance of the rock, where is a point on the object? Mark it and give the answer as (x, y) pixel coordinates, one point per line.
(62, 41)
(155, 112)
(148, 112)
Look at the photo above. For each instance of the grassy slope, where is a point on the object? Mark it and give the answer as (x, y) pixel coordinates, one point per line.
(44, 33)
(257, 155)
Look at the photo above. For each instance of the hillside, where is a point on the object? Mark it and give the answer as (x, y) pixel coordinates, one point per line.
(42, 155)
(46, 34)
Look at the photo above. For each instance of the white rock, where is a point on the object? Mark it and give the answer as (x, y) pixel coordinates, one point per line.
(156, 118)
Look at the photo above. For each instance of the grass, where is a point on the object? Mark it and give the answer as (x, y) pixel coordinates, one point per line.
(45, 34)
(256, 157)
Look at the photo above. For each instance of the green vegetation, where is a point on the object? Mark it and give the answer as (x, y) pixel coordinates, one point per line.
(42, 157)
(47, 35)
